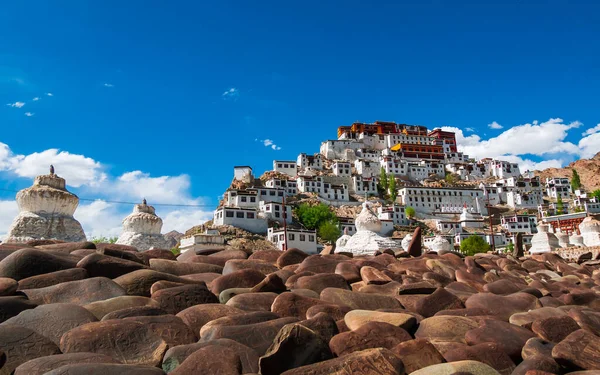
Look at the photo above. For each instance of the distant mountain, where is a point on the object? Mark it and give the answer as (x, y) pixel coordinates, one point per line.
(588, 170)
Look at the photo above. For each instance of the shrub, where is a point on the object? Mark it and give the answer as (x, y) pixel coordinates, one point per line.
(312, 217)
(473, 245)
(410, 212)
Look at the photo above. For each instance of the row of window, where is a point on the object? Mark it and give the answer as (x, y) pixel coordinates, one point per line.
(440, 193)
(292, 237)
(284, 165)
(237, 214)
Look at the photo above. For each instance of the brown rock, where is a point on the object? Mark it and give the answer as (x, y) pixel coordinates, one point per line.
(294, 346)
(20, 345)
(526, 319)
(461, 290)
(362, 301)
(101, 308)
(509, 337)
(272, 283)
(80, 292)
(12, 305)
(414, 248)
(211, 359)
(464, 312)
(67, 247)
(536, 347)
(337, 312)
(445, 329)
(176, 268)
(371, 275)
(349, 271)
(134, 311)
(52, 321)
(159, 254)
(503, 306)
(269, 256)
(321, 281)
(489, 353)
(203, 259)
(240, 279)
(53, 278)
(234, 265)
(502, 287)
(291, 256)
(169, 327)
(105, 368)
(357, 318)
(422, 287)
(229, 254)
(554, 329)
(8, 286)
(197, 316)
(174, 300)
(437, 301)
(163, 284)
(139, 283)
(367, 362)
(253, 301)
(132, 256)
(417, 354)
(98, 265)
(323, 325)
(26, 262)
(587, 319)
(293, 304)
(369, 335)
(538, 363)
(127, 341)
(238, 320)
(42, 365)
(320, 263)
(258, 336)
(578, 351)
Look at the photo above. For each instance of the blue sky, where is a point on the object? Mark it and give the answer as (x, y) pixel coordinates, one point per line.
(180, 91)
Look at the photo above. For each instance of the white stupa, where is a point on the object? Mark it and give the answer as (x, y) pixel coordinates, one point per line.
(142, 229)
(343, 240)
(46, 212)
(543, 241)
(590, 231)
(366, 240)
(406, 241)
(439, 243)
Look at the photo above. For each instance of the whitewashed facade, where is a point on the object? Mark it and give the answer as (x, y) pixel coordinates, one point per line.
(245, 218)
(286, 167)
(305, 240)
(428, 200)
(557, 186)
(274, 211)
(395, 213)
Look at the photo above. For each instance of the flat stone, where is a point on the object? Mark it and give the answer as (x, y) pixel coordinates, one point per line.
(464, 312)
(228, 294)
(126, 341)
(159, 254)
(197, 316)
(104, 369)
(53, 278)
(42, 365)
(509, 337)
(8, 286)
(180, 268)
(361, 301)
(101, 308)
(554, 329)
(67, 247)
(537, 347)
(294, 346)
(271, 283)
(289, 257)
(169, 327)
(134, 311)
(247, 278)
(504, 306)
(203, 259)
(25, 263)
(467, 367)
(320, 264)
(321, 281)
(139, 283)
(349, 271)
(422, 287)
(538, 363)
(163, 284)
(53, 320)
(367, 336)
(269, 256)
(445, 329)
(578, 351)
(474, 280)
(389, 289)
(526, 319)
(174, 300)
(371, 275)
(461, 290)
(177, 354)
(244, 318)
(588, 320)
(442, 267)
(417, 354)
(21, 344)
(337, 312)
(437, 301)
(323, 325)
(502, 287)
(80, 292)
(234, 265)
(258, 336)
(98, 265)
(366, 362)
(437, 279)
(253, 301)
(206, 277)
(229, 254)
(489, 353)
(357, 318)
(293, 304)
(133, 256)
(12, 305)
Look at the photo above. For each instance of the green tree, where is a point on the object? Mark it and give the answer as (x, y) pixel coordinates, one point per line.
(596, 194)
(560, 206)
(103, 239)
(329, 231)
(451, 178)
(383, 181)
(510, 247)
(313, 216)
(392, 188)
(474, 244)
(410, 212)
(575, 180)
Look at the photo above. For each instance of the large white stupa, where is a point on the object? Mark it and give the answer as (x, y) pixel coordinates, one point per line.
(590, 231)
(543, 241)
(46, 212)
(366, 240)
(141, 229)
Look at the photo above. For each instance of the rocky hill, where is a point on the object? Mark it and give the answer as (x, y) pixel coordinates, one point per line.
(588, 170)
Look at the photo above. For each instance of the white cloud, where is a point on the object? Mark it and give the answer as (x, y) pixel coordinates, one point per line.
(269, 143)
(16, 104)
(275, 147)
(8, 211)
(589, 145)
(470, 129)
(231, 93)
(100, 218)
(495, 125)
(29, 114)
(590, 131)
(35, 99)
(108, 85)
(49, 94)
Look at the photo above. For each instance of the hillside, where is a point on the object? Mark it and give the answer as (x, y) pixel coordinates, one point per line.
(588, 169)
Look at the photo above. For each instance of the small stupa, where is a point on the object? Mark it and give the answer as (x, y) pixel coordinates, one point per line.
(366, 240)
(576, 239)
(563, 239)
(439, 243)
(543, 241)
(141, 229)
(406, 241)
(590, 231)
(343, 240)
(46, 212)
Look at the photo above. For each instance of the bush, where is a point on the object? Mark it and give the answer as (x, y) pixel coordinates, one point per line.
(312, 217)
(392, 188)
(103, 239)
(575, 180)
(410, 212)
(473, 245)
(329, 231)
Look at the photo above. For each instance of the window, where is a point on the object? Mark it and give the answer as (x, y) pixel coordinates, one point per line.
(252, 199)
(239, 215)
(276, 214)
(250, 215)
(229, 213)
(291, 236)
(302, 237)
(279, 165)
(272, 193)
(280, 193)
(281, 237)
(243, 199)
(263, 192)
(267, 208)
(276, 208)
(311, 238)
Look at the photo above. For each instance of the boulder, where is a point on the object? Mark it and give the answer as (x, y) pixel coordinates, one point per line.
(53, 278)
(321, 281)
(289, 257)
(509, 337)
(445, 329)
(139, 283)
(8, 286)
(357, 318)
(43, 365)
(101, 308)
(234, 265)
(240, 279)
(578, 351)
(169, 327)
(458, 368)
(439, 300)
(293, 304)
(253, 301)
(174, 300)
(417, 354)
(80, 292)
(489, 353)
(98, 265)
(25, 263)
(197, 316)
(134, 311)
(180, 268)
(12, 305)
(503, 306)
(367, 336)
(20, 345)
(237, 320)
(104, 369)
(554, 329)
(211, 359)
(362, 301)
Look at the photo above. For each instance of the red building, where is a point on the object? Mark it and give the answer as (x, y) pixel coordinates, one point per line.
(444, 136)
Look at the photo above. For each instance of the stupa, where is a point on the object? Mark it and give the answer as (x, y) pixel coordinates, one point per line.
(576, 239)
(590, 231)
(343, 240)
(366, 240)
(406, 241)
(563, 239)
(46, 212)
(141, 229)
(439, 243)
(543, 241)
